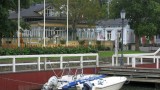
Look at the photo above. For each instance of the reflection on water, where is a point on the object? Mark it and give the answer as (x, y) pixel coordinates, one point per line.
(140, 86)
(136, 86)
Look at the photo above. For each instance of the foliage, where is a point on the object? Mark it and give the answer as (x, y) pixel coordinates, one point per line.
(98, 42)
(36, 1)
(147, 29)
(62, 41)
(80, 11)
(7, 26)
(81, 42)
(47, 50)
(143, 16)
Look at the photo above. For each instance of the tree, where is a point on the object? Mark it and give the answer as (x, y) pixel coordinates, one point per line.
(81, 11)
(8, 27)
(143, 16)
(36, 1)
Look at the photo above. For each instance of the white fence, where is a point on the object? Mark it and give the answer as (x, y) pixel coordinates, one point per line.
(41, 60)
(134, 59)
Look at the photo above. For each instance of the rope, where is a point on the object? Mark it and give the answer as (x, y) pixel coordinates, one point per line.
(9, 79)
(53, 70)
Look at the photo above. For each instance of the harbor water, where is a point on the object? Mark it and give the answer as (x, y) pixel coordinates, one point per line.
(136, 86)
(140, 86)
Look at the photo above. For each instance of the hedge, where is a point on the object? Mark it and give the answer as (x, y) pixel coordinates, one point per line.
(47, 50)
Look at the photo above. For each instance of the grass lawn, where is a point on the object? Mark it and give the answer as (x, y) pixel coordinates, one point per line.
(110, 53)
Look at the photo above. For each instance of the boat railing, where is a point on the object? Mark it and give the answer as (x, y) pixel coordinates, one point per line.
(137, 59)
(17, 63)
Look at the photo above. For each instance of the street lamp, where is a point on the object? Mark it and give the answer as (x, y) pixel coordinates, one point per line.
(123, 14)
(104, 38)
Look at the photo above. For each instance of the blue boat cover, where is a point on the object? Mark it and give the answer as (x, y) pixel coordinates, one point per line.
(74, 83)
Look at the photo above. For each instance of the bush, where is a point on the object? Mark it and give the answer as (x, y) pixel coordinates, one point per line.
(81, 42)
(62, 41)
(98, 42)
(47, 50)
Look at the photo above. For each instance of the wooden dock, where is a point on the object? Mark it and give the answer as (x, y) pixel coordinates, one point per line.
(133, 74)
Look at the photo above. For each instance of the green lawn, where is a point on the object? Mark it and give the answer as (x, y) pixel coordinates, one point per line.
(110, 53)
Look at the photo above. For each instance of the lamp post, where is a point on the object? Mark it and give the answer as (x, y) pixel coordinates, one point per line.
(123, 13)
(104, 34)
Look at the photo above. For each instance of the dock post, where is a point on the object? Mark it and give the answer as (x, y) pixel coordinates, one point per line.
(97, 61)
(157, 63)
(81, 62)
(61, 62)
(154, 59)
(39, 65)
(127, 60)
(133, 62)
(112, 60)
(14, 65)
(45, 64)
(141, 60)
(117, 61)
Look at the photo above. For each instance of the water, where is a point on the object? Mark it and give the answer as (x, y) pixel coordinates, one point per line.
(137, 86)
(140, 86)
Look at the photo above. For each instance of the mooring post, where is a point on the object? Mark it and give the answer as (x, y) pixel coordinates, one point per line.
(14, 65)
(45, 64)
(61, 62)
(133, 62)
(81, 62)
(157, 63)
(97, 60)
(39, 65)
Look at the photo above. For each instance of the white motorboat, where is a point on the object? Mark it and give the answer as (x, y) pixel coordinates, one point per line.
(85, 82)
(68, 81)
(107, 83)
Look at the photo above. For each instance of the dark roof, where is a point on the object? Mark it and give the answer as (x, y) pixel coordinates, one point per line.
(32, 11)
(112, 22)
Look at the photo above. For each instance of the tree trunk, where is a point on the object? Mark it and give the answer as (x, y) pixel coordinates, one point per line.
(74, 30)
(137, 39)
(0, 40)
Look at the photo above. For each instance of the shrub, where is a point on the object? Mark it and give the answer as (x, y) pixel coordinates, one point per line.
(62, 41)
(81, 42)
(47, 50)
(98, 42)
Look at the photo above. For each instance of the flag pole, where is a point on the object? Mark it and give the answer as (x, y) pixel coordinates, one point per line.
(44, 14)
(67, 22)
(18, 33)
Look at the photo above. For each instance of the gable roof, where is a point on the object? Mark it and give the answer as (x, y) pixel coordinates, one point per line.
(112, 22)
(32, 11)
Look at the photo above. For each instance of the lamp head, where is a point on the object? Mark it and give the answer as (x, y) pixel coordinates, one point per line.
(123, 14)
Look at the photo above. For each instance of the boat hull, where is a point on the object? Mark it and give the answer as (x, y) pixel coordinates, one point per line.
(108, 83)
(112, 87)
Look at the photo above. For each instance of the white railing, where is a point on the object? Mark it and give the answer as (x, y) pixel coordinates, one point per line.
(41, 60)
(134, 59)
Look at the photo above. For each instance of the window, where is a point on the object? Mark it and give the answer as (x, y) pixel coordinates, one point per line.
(158, 36)
(119, 34)
(51, 12)
(109, 35)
